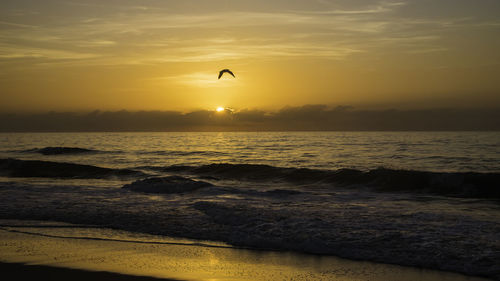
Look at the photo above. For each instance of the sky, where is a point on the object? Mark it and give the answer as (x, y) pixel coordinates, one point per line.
(164, 55)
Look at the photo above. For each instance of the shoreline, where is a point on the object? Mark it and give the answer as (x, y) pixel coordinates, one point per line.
(66, 258)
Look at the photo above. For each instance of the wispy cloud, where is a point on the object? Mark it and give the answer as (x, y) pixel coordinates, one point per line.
(427, 50)
(13, 24)
(144, 34)
(9, 52)
(232, 52)
(199, 79)
(95, 43)
(378, 8)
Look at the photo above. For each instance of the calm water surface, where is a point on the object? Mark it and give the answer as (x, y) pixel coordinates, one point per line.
(428, 151)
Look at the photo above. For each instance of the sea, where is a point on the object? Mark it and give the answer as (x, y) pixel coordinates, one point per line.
(423, 199)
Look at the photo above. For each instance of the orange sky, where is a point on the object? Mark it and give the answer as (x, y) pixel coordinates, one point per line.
(165, 55)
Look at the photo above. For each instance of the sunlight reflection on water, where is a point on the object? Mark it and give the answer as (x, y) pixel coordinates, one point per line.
(429, 151)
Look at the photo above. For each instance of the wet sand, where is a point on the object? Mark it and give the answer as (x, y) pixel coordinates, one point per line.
(17, 271)
(48, 249)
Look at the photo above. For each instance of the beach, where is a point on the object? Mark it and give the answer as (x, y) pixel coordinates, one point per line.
(47, 252)
(17, 271)
(210, 205)
(259, 140)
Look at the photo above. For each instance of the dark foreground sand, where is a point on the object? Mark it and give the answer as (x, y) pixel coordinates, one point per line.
(18, 271)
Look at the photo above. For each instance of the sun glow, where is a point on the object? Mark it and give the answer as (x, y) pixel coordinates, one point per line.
(220, 109)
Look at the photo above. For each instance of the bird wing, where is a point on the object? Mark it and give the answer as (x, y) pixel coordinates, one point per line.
(224, 71)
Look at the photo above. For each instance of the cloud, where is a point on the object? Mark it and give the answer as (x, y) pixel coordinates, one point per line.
(381, 7)
(304, 118)
(175, 36)
(255, 49)
(12, 24)
(13, 52)
(200, 79)
(96, 43)
(160, 33)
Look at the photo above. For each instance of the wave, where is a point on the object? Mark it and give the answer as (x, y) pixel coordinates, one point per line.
(58, 150)
(459, 184)
(185, 153)
(46, 169)
(7, 228)
(171, 184)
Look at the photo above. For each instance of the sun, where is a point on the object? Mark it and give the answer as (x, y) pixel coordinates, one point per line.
(220, 109)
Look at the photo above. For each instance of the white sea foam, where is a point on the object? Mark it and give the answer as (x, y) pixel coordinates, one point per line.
(284, 191)
(434, 232)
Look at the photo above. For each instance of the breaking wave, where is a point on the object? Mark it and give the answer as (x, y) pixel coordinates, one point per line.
(59, 150)
(63, 150)
(457, 184)
(469, 184)
(172, 184)
(46, 169)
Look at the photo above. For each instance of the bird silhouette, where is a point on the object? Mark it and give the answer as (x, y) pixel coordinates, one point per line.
(225, 71)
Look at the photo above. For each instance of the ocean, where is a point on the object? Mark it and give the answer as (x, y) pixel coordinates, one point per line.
(425, 199)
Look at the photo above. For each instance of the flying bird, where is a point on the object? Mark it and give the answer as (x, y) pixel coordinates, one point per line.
(225, 71)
